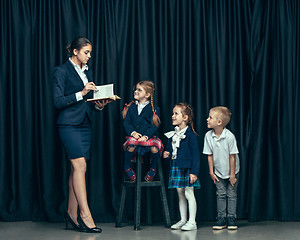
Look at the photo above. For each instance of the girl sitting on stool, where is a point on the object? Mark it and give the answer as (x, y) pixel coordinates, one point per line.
(141, 121)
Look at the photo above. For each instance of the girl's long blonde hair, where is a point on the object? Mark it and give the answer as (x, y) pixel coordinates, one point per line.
(149, 87)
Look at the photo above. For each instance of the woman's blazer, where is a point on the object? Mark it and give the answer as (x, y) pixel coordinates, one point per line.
(66, 83)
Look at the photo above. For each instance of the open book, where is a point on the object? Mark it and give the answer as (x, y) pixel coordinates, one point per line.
(104, 92)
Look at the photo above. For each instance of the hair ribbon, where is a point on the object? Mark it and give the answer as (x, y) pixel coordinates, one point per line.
(126, 106)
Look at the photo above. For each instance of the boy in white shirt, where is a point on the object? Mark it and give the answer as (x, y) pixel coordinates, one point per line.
(223, 161)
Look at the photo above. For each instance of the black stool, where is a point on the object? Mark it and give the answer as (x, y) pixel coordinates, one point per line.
(138, 184)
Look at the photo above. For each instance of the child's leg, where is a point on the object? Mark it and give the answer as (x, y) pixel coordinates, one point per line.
(155, 155)
(221, 204)
(182, 203)
(128, 154)
(221, 198)
(232, 198)
(190, 196)
(182, 209)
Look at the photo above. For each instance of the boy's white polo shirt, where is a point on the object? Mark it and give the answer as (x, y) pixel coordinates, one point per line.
(221, 148)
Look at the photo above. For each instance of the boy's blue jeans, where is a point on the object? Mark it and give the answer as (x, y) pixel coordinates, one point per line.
(226, 197)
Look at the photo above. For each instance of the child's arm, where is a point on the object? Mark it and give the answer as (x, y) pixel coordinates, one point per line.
(143, 138)
(211, 169)
(232, 178)
(193, 178)
(128, 126)
(150, 132)
(166, 154)
(194, 148)
(136, 135)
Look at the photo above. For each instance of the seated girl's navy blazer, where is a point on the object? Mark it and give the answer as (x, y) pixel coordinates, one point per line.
(142, 123)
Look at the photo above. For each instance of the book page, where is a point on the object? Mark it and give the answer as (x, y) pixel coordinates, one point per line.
(104, 91)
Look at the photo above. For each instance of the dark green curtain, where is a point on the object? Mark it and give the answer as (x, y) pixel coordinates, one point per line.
(241, 54)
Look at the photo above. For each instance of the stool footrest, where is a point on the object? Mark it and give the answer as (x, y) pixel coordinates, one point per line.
(138, 184)
(143, 184)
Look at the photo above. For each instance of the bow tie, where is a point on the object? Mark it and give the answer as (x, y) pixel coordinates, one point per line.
(176, 136)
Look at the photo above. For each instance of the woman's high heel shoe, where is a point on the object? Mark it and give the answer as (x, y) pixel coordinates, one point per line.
(68, 220)
(86, 228)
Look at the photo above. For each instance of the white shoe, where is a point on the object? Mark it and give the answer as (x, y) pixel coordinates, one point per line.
(178, 225)
(189, 226)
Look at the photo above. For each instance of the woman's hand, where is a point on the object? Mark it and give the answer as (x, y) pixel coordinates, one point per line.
(166, 154)
(102, 103)
(193, 178)
(88, 87)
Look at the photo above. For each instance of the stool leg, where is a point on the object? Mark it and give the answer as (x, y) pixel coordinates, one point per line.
(149, 218)
(137, 220)
(121, 208)
(164, 196)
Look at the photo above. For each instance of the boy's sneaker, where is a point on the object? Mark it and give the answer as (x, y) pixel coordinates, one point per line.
(220, 224)
(178, 225)
(231, 223)
(189, 226)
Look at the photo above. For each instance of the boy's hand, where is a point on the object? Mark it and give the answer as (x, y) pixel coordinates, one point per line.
(214, 177)
(232, 180)
(193, 178)
(166, 154)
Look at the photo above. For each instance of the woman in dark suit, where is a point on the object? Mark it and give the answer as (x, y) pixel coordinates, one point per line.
(73, 85)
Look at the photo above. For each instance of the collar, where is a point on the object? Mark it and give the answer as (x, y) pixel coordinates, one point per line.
(76, 66)
(177, 131)
(182, 131)
(223, 134)
(142, 105)
(176, 135)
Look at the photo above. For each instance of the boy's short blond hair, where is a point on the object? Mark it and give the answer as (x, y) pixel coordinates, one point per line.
(223, 114)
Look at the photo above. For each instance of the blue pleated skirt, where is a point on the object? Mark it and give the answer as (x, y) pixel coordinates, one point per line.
(76, 139)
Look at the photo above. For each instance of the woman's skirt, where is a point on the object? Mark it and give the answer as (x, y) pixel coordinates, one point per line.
(180, 177)
(76, 139)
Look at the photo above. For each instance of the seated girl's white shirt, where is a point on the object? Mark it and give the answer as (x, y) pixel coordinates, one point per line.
(141, 106)
(176, 136)
(140, 109)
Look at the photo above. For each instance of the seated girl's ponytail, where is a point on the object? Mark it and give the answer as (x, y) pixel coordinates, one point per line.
(149, 88)
(125, 109)
(155, 118)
